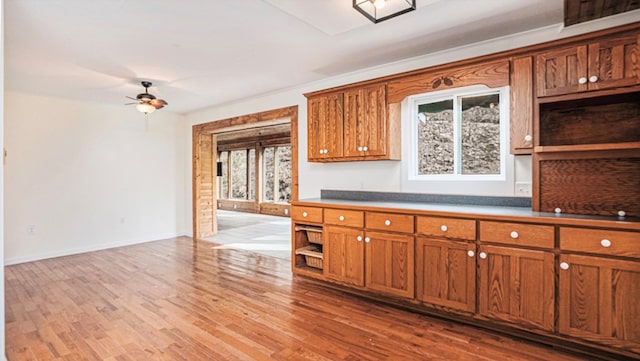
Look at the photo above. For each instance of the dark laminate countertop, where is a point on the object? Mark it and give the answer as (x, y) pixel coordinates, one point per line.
(523, 214)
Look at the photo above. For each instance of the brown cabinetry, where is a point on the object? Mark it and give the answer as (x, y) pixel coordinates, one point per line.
(598, 301)
(517, 286)
(521, 114)
(608, 63)
(389, 263)
(344, 255)
(365, 121)
(446, 273)
(325, 126)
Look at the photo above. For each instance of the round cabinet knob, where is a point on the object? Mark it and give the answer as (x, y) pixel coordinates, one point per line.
(605, 243)
(558, 210)
(365, 148)
(564, 265)
(359, 238)
(482, 255)
(443, 228)
(326, 151)
(359, 149)
(321, 151)
(514, 235)
(387, 222)
(593, 79)
(471, 253)
(582, 80)
(622, 213)
(528, 138)
(367, 239)
(305, 214)
(341, 218)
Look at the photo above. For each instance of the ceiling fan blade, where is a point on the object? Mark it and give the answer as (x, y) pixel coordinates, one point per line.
(131, 103)
(128, 97)
(158, 103)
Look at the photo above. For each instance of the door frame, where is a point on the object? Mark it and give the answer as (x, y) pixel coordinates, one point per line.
(204, 195)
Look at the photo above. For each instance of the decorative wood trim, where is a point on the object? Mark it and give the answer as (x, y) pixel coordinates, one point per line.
(206, 130)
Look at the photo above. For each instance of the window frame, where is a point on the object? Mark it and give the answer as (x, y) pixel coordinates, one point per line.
(456, 96)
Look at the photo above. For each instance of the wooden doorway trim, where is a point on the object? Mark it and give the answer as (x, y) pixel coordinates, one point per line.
(203, 177)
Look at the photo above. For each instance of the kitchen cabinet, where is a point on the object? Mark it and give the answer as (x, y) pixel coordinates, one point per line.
(610, 62)
(598, 300)
(389, 263)
(521, 100)
(446, 273)
(325, 126)
(365, 121)
(517, 286)
(344, 254)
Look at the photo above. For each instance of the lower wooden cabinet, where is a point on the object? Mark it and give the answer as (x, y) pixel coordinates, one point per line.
(446, 273)
(344, 254)
(389, 263)
(599, 300)
(517, 286)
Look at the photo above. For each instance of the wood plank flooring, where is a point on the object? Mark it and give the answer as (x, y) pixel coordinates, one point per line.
(176, 300)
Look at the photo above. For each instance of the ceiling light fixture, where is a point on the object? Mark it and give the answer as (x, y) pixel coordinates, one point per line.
(145, 108)
(381, 10)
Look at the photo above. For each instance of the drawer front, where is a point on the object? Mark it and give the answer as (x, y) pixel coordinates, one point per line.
(306, 214)
(447, 227)
(605, 242)
(342, 217)
(389, 222)
(517, 234)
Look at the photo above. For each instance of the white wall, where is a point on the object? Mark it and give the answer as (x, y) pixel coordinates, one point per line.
(386, 175)
(87, 176)
(2, 177)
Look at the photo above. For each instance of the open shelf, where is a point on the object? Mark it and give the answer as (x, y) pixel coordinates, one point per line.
(307, 248)
(587, 147)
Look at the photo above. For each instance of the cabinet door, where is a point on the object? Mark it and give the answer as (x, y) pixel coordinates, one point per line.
(446, 273)
(599, 300)
(389, 263)
(559, 71)
(344, 254)
(614, 62)
(521, 106)
(324, 129)
(517, 286)
(365, 121)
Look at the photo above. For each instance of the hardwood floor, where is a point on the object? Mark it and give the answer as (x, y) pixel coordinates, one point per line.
(171, 300)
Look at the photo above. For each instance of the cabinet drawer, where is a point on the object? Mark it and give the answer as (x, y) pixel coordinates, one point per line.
(307, 214)
(614, 243)
(517, 234)
(390, 222)
(447, 227)
(341, 217)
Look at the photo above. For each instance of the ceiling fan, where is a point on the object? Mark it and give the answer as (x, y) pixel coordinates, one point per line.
(147, 103)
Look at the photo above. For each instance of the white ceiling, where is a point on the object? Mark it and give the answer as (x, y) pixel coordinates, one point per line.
(200, 53)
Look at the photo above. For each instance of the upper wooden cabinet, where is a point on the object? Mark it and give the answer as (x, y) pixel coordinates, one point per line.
(353, 124)
(365, 121)
(325, 126)
(521, 115)
(609, 63)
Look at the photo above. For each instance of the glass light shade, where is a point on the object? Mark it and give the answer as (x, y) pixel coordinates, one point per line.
(145, 108)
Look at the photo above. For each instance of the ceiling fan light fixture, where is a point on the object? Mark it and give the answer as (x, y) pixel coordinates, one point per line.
(381, 10)
(145, 108)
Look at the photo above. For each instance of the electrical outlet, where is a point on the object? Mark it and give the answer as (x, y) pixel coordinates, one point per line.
(523, 189)
(286, 211)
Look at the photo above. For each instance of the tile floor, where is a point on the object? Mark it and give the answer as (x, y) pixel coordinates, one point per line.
(268, 235)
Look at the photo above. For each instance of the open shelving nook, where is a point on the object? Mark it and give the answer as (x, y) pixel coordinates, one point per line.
(588, 157)
(308, 248)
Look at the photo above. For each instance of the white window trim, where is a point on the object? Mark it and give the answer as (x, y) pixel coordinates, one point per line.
(490, 184)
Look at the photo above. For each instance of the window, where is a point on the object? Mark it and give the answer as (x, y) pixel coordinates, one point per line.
(277, 174)
(224, 184)
(239, 184)
(459, 134)
(238, 174)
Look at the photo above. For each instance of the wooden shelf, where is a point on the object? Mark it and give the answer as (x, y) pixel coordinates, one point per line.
(587, 147)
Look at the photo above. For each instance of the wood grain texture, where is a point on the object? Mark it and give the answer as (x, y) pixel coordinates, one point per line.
(306, 214)
(389, 263)
(558, 71)
(205, 224)
(517, 286)
(491, 74)
(343, 217)
(325, 127)
(598, 300)
(517, 234)
(391, 222)
(446, 274)
(178, 299)
(521, 102)
(447, 227)
(578, 11)
(615, 61)
(623, 244)
(344, 254)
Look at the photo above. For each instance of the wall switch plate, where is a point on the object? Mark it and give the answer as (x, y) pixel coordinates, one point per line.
(523, 189)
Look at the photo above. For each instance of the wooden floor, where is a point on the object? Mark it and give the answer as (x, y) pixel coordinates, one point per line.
(169, 300)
